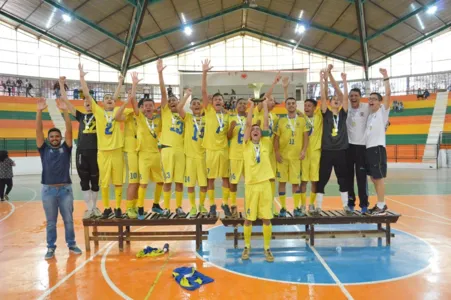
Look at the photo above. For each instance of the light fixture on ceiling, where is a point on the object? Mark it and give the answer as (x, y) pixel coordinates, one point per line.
(432, 10)
(253, 3)
(301, 14)
(67, 18)
(292, 41)
(192, 43)
(300, 28)
(188, 30)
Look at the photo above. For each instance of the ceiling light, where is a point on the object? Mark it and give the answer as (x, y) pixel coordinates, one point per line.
(292, 41)
(432, 10)
(192, 43)
(253, 4)
(300, 28)
(188, 30)
(301, 13)
(67, 18)
(183, 18)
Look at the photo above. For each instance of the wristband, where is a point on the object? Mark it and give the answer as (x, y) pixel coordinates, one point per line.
(386, 79)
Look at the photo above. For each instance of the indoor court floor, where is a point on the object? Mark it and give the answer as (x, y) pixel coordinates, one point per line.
(417, 265)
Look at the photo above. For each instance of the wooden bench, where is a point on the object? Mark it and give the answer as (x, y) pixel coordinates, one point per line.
(325, 218)
(124, 233)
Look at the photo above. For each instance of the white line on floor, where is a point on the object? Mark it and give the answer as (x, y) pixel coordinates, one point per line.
(105, 274)
(13, 209)
(419, 209)
(65, 278)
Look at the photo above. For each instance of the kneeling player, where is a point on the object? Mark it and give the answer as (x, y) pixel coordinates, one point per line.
(258, 192)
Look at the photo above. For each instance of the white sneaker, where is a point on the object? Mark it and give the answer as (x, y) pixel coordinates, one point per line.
(96, 213)
(87, 214)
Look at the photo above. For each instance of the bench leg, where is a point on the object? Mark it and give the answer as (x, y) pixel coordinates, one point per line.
(379, 228)
(312, 235)
(235, 237)
(96, 242)
(127, 234)
(121, 238)
(87, 245)
(387, 233)
(198, 236)
(306, 227)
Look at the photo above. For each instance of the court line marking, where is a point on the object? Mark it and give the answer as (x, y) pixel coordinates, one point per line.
(65, 278)
(107, 278)
(429, 220)
(13, 209)
(419, 209)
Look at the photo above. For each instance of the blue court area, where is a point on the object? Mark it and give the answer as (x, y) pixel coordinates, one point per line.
(352, 260)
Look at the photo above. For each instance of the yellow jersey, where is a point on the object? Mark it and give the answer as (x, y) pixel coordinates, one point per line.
(130, 131)
(172, 128)
(257, 162)
(236, 142)
(272, 122)
(109, 133)
(291, 136)
(148, 132)
(315, 129)
(194, 136)
(216, 127)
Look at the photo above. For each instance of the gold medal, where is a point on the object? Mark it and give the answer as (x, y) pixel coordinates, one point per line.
(334, 133)
(335, 130)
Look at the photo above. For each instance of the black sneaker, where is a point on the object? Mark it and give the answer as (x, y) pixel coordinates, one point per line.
(376, 211)
(227, 211)
(106, 213)
(213, 211)
(156, 208)
(6, 197)
(141, 214)
(118, 213)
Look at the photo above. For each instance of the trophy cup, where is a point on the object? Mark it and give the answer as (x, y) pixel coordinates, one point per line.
(256, 87)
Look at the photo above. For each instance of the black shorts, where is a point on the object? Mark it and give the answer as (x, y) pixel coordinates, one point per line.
(376, 162)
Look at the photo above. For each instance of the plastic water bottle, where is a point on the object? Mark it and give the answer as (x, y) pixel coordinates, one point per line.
(338, 249)
(166, 248)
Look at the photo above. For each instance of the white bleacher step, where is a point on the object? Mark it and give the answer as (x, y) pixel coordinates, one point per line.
(437, 123)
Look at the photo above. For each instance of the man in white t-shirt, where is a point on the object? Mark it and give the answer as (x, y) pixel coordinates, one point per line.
(376, 154)
(355, 155)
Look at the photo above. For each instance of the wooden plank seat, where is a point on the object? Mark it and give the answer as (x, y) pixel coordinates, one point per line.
(327, 217)
(124, 233)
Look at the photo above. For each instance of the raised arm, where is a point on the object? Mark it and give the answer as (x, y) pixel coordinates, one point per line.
(345, 92)
(63, 97)
(270, 90)
(205, 68)
(247, 131)
(335, 84)
(323, 87)
(285, 84)
(164, 95)
(62, 106)
(84, 85)
(119, 116)
(42, 105)
(387, 97)
(181, 105)
(118, 88)
(265, 115)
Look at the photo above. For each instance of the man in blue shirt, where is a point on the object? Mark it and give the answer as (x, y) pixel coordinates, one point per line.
(56, 182)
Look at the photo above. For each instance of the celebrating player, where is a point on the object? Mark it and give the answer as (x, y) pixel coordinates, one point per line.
(195, 170)
(290, 146)
(376, 154)
(86, 156)
(110, 141)
(334, 140)
(215, 143)
(172, 152)
(258, 169)
(235, 136)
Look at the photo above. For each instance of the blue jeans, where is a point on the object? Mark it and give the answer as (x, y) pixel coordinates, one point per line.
(62, 198)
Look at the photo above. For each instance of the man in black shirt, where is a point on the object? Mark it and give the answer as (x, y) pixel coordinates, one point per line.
(335, 138)
(86, 157)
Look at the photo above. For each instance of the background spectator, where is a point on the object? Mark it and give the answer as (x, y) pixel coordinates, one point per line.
(6, 175)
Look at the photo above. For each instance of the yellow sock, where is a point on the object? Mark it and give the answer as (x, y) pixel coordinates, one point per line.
(106, 197)
(129, 204)
(118, 195)
(178, 198)
(202, 197)
(233, 198)
(247, 230)
(283, 200)
(303, 198)
(192, 199)
(312, 198)
(267, 235)
(141, 196)
(297, 198)
(135, 201)
(225, 195)
(157, 193)
(211, 196)
(167, 199)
